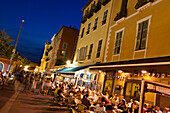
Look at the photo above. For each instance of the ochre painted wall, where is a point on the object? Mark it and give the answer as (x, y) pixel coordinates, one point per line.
(94, 36)
(158, 42)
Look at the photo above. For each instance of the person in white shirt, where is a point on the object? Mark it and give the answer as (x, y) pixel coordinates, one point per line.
(158, 110)
(100, 108)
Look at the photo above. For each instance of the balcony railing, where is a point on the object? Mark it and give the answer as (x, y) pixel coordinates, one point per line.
(104, 2)
(97, 6)
(142, 2)
(120, 15)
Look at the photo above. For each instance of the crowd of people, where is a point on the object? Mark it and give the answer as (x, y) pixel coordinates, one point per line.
(92, 100)
(97, 102)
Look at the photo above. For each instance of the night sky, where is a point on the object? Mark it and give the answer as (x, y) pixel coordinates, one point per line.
(43, 18)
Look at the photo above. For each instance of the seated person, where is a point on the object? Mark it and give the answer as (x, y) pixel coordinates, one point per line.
(100, 107)
(109, 109)
(60, 92)
(85, 101)
(104, 99)
(122, 106)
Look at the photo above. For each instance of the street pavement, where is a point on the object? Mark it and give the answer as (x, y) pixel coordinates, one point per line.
(13, 100)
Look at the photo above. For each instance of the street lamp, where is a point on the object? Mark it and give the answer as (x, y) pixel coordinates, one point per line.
(13, 51)
(68, 62)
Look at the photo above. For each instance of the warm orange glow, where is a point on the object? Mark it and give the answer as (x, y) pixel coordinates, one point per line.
(120, 71)
(144, 71)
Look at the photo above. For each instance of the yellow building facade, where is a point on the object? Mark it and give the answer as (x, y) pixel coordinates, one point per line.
(137, 47)
(45, 56)
(93, 34)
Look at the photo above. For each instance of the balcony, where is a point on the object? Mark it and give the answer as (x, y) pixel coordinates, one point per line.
(142, 3)
(46, 53)
(104, 2)
(47, 59)
(90, 13)
(97, 6)
(84, 19)
(50, 48)
(120, 15)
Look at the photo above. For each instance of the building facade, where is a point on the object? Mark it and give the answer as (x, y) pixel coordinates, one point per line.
(92, 37)
(62, 47)
(4, 63)
(137, 48)
(45, 56)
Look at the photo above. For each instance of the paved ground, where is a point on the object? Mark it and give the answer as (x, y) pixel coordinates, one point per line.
(15, 101)
(5, 94)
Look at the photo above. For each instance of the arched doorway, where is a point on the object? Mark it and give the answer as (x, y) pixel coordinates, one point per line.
(1, 66)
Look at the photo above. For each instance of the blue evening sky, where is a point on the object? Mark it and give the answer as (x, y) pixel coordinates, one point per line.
(43, 18)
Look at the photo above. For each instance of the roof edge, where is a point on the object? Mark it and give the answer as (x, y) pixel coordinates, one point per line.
(86, 5)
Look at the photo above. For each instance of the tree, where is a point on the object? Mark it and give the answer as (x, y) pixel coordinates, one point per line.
(5, 46)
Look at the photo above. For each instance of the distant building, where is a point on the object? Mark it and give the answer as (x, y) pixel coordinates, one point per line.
(4, 63)
(92, 40)
(62, 47)
(45, 56)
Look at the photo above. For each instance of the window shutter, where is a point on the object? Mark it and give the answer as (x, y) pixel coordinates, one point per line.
(139, 36)
(99, 49)
(90, 51)
(144, 34)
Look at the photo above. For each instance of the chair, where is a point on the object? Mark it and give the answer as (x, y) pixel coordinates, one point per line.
(81, 108)
(71, 102)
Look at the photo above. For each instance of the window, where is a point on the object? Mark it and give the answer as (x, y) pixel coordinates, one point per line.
(83, 51)
(88, 29)
(64, 45)
(118, 42)
(1, 67)
(104, 17)
(90, 51)
(99, 49)
(142, 35)
(63, 53)
(81, 54)
(95, 24)
(78, 55)
(82, 33)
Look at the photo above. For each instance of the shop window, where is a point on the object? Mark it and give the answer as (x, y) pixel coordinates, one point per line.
(89, 76)
(81, 75)
(1, 66)
(99, 49)
(95, 76)
(90, 51)
(142, 35)
(82, 33)
(118, 42)
(95, 24)
(88, 29)
(104, 17)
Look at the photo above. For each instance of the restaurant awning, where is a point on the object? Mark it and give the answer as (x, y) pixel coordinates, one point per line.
(158, 65)
(71, 70)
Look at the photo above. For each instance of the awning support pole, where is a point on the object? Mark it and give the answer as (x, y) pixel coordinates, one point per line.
(142, 94)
